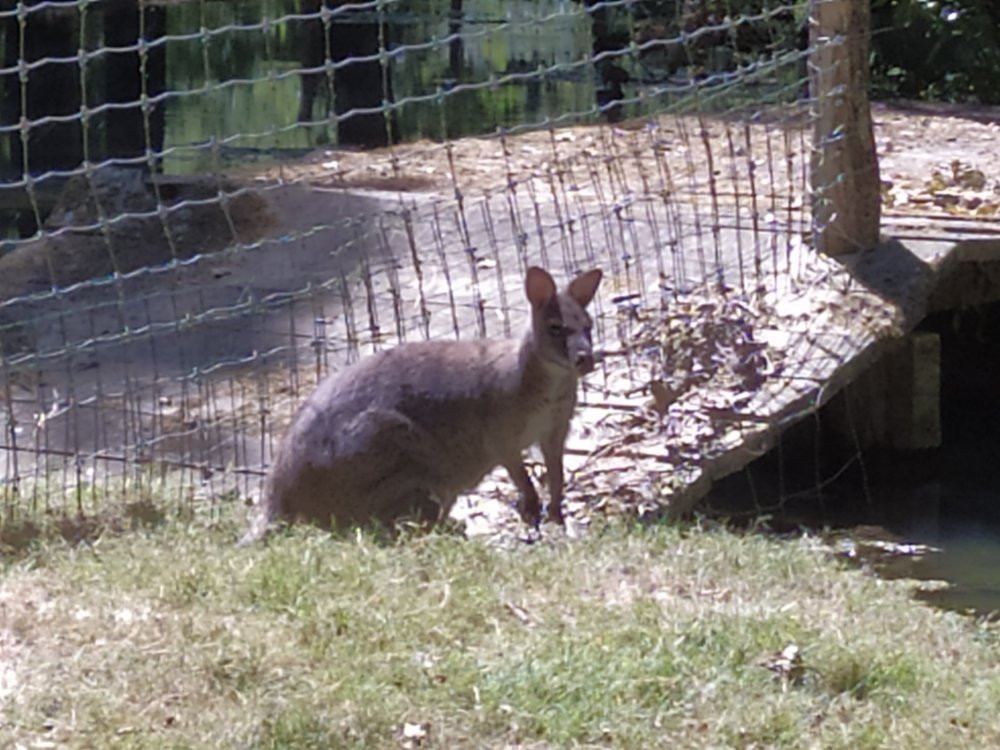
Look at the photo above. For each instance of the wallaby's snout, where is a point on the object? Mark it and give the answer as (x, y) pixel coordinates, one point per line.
(584, 362)
(580, 349)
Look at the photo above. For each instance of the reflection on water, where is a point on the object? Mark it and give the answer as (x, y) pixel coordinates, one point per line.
(957, 569)
(970, 565)
(933, 517)
(942, 536)
(240, 89)
(220, 83)
(930, 515)
(214, 84)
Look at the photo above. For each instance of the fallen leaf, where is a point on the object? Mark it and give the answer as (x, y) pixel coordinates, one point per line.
(413, 735)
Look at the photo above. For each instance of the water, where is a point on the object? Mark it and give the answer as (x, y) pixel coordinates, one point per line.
(957, 568)
(228, 83)
(239, 87)
(239, 83)
(966, 566)
(933, 515)
(942, 535)
(241, 90)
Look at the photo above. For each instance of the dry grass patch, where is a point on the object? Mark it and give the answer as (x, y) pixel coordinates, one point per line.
(169, 637)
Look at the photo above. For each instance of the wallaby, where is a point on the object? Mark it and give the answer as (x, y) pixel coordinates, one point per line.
(401, 433)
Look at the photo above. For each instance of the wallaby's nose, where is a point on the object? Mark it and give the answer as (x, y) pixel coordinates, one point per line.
(584, 362)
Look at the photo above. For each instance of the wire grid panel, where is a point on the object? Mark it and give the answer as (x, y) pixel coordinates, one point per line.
(193, 236)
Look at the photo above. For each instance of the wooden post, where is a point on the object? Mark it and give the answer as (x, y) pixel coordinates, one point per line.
(846, 203)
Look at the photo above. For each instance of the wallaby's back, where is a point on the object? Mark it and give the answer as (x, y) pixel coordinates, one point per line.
(403, 432)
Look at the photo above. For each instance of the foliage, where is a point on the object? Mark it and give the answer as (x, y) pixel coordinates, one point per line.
(926, 49)
(921, 49)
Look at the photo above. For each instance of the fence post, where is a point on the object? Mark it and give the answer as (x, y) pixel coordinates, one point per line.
(846, 204)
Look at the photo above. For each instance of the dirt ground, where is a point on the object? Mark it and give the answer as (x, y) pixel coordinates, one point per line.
(914, 141)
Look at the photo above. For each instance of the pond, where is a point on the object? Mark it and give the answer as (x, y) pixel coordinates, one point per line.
(213, 84)
(930, 515)
(242, 87)
(217, 84)
(452, 68)
(226, 80)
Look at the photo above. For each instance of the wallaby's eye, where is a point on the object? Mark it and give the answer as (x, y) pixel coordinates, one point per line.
(557, 329)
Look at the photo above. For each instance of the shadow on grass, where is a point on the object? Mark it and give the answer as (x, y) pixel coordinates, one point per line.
(18, 537)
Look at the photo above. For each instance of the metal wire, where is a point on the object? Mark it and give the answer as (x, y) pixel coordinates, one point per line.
(170, 324)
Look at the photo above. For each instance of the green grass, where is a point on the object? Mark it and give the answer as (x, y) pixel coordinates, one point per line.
(166, 636)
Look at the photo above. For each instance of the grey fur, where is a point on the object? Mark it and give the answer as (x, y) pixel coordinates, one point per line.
(403, 432)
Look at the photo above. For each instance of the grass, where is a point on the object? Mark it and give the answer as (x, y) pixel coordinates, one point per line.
(166, 636)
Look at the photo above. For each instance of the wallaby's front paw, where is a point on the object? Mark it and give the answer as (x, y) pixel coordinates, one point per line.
(530, 513)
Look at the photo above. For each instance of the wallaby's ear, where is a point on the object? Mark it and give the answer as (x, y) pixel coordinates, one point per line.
(584, 286)
(539, 287)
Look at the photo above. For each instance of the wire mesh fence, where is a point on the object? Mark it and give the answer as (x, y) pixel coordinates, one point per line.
(208, 205)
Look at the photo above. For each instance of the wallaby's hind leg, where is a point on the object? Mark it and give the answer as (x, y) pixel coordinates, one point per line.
(307, 494)
(380, 473)
(395, 500)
